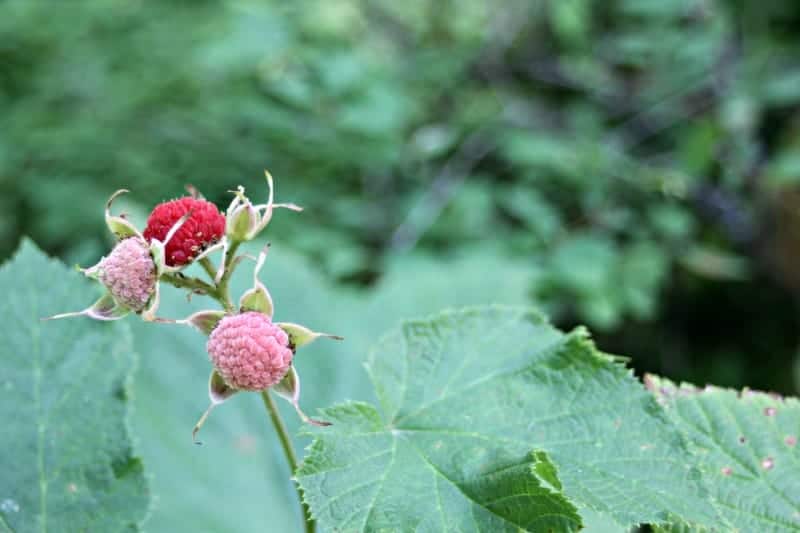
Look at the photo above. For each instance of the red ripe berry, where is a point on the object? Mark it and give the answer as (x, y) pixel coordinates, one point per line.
(205, 227)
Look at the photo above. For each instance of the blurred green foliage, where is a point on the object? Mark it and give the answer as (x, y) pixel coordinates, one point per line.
(641, 156)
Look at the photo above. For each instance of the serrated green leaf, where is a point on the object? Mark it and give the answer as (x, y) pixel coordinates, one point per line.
(746, 445)
(474, 391)
(372, 478)
(67, 461)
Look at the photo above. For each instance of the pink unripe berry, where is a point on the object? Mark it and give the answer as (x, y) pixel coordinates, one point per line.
(249, 351)
(129, 273)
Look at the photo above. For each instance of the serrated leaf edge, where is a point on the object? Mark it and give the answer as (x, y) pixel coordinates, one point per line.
(579, 334)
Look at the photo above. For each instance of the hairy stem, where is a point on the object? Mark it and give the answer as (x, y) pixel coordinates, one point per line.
(224, 283)
(195, 285)
(208, 266)
(291, 456)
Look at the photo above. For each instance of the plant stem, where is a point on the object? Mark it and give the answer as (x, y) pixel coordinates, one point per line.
(222, 287)
(208, 266)
(291, 456)
(193, 284)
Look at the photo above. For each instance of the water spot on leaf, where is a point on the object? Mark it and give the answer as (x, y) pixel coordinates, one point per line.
(645, 447)
(9, 506)
(767, 463)
(72, 488)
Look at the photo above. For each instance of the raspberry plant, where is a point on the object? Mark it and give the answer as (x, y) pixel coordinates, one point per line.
(247, 350)
(486, 418)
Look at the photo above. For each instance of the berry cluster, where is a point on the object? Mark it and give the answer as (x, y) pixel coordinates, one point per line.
(247, 350)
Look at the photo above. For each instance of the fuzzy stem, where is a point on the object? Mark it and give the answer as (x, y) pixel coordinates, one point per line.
(208, 266)
(291, 456)
(224, 283)
(193, 284)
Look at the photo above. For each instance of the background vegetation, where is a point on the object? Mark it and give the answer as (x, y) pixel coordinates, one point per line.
(629, 164)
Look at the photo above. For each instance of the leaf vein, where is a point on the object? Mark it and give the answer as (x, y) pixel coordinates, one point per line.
(371, 506)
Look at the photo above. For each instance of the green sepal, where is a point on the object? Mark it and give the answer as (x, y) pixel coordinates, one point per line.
(158, 249)
(218, 392)
(268, 208)
(205, 321)
(258, 298)
(301, 335)
(121, 228)
(242, 219)
(149, 313)
(289, 389)
(106, 308)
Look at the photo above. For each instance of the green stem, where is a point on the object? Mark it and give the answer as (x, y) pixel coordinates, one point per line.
(208, 266)
(193, 284)
(224, 283)
(291, 456)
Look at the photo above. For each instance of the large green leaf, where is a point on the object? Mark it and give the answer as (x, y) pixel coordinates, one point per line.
(67, 461)
(240, 451)
(369, 477)
(746, 444)
(473, 392)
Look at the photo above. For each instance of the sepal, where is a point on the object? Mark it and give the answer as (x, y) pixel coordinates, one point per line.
(93, 272)
(244, 221)
(268, 208)
(258, 298)
(106, 308)
(120, 227)
(149, 313)
(194, 192)
(241, 218)
(301, 335)
(224, 260)
(205, 321)
(289, 389)
(218, 392)
(158, 249)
